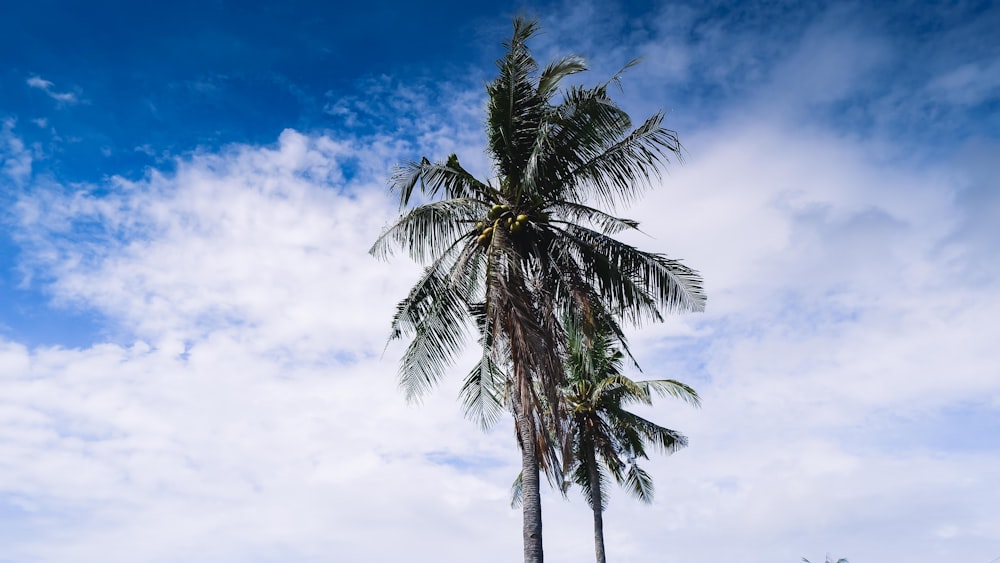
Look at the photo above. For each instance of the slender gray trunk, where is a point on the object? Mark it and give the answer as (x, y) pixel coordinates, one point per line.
(596, 501)
(531, 502)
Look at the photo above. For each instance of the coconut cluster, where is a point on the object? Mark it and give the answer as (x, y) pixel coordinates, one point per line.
(500, 217)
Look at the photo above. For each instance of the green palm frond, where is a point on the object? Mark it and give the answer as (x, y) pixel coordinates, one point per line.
(423, 299)
(592, 281)
(516, 497)
(582, 477)
(426, 231)
(482, 392)
(514, 107)
(433, 178)
(569, 135)
(638, 483)
(572, 212)
(616, 390)
(437, 336)
(672, 388)
(607, 288)
(675, 286)
(602, 431)
(664, 439)
(434, 315)
(556, 71)
(623, 171)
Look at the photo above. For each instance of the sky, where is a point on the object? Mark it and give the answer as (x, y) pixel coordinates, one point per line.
(193, 337)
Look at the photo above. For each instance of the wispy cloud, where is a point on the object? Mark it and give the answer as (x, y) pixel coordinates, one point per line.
(16, 159)
(64, 98)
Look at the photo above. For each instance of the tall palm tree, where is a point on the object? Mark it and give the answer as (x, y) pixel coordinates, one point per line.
(511, 256)
(605, 439)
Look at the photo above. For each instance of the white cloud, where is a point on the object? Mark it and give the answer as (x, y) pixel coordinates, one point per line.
(47, 86)
(969, 84)
(837, 58)
(839, 319)
(226, 453)
(15, 157)
(255, 417)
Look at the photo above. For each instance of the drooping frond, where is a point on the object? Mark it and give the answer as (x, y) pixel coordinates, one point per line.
(664, 439)
(437, 335)
(426, 231)
(675, 286)
(482, 393)
(588, 475)
(587, 278)
(434, 315)
(515, 491)
(638, 483)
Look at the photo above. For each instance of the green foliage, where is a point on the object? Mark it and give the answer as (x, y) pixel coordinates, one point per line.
(551, 159)
(607, 440)
(510, 258)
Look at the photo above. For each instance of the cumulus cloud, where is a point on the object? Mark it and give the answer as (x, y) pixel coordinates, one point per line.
(152, 454)
(225, 240)
(253, 413)
(841, 317)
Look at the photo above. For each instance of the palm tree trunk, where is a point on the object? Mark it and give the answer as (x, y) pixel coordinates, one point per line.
(596, 501)
(531, 504)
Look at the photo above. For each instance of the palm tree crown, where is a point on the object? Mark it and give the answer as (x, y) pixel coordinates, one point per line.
(511, 256)
(605, 439)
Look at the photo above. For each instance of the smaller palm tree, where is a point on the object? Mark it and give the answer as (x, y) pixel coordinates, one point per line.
(828, 560)
(605, 440)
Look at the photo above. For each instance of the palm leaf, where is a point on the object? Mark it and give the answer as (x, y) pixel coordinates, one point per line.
(638, 483)
(428, 230)
(623, 171)
(672, 388)
(455, 181)
(482, 392)
(675, 286)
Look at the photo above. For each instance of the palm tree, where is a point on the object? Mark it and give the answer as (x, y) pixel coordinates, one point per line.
(512, 256)
(828, 560)
(605, 439)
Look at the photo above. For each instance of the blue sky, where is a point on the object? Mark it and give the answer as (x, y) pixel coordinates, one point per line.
(192, 332)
